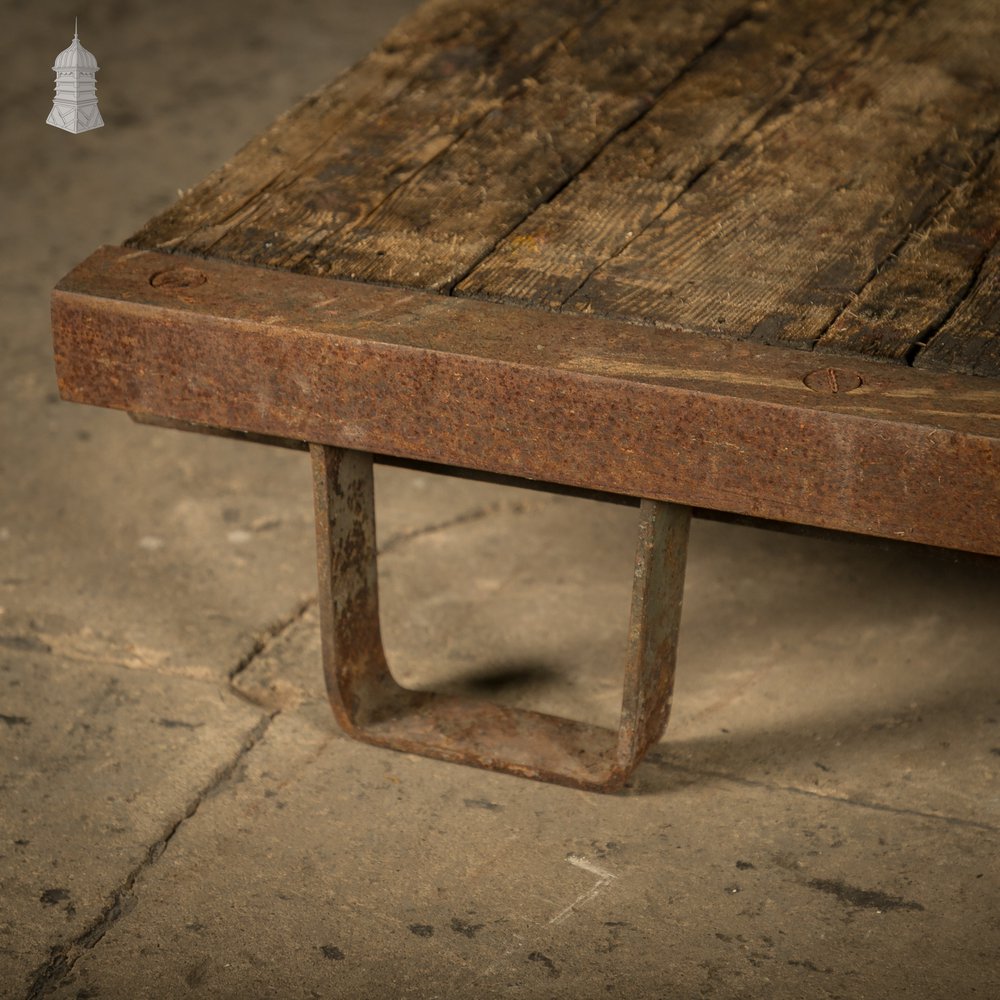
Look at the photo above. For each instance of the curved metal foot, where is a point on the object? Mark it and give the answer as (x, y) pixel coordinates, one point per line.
(370, 705)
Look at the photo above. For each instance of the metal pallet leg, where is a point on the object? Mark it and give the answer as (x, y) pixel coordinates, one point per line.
(370, 705)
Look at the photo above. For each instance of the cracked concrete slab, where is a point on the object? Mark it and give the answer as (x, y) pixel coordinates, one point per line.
(97, 766)
(405, 877)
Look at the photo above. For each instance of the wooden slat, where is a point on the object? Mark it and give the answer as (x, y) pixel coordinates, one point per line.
(416, 191)
(773, 241)
(797, 173)
(432, 230)
(918, 289)
(717, 103)
(335, 156)
(969, 341)
(590, 403)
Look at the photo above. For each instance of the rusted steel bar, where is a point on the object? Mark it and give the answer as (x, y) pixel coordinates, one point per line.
(573, 400)
(371, 706)
(620, 499)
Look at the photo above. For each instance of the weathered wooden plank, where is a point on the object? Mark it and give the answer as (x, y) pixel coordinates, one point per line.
(586, 402)
(716, 103)
(431, 230)
(773, 241)
(969, 341)
(920, 287)
(845, 126)
(337, 154)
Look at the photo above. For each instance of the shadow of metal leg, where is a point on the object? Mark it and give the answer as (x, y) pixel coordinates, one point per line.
(370, 705)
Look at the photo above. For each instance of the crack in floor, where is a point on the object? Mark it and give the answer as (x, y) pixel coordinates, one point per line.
(268, 637)
(54, 972)
(467, 517)
(274, 632)
(657, 760)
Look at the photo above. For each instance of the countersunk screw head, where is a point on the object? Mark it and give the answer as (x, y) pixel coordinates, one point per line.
(833, 380)
(178, 277)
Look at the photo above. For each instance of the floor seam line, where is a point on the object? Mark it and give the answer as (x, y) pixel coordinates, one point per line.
(467, 517)
(265, 639)
(792, 789)
(62, 958)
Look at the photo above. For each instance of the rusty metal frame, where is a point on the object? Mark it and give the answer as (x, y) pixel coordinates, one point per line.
(584, 402)
(371, 706)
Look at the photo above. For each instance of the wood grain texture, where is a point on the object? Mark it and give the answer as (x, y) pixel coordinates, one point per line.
(413, 185)
(717, 103)
(814, 175)
(918, 289)
(970, 340)
(774, 240)
(432, 230)
(330, 160)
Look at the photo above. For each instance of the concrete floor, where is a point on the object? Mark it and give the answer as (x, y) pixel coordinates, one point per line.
(179, 815)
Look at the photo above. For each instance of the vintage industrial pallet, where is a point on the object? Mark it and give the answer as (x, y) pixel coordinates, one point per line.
(734, 256)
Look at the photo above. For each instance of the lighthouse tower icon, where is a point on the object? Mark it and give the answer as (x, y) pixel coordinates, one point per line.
(75, 105)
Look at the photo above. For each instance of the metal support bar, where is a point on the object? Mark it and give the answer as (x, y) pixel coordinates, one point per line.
(371, 706)
(625, 500)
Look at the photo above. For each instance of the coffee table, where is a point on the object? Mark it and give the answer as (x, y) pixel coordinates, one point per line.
(731, 258)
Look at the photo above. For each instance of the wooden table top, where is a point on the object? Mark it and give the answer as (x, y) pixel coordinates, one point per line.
(818, 175)
(737, 255)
